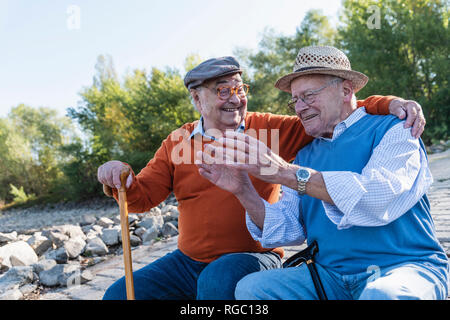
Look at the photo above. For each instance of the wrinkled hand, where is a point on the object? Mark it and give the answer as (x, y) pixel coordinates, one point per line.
(247, 153)
(225, 177)
(109, 174)
(413, 113)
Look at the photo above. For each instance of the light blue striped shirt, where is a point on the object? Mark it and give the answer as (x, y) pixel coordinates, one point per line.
(394, 179)
(200, 130)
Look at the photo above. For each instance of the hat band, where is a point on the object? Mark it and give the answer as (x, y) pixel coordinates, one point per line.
(308, 68)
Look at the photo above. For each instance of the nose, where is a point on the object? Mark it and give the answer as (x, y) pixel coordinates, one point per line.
(235, 99)
(300, 106)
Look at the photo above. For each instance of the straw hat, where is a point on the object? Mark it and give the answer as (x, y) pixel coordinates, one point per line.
(322, 60)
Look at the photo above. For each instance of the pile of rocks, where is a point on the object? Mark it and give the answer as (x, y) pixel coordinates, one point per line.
(60, 255)
(438, 146)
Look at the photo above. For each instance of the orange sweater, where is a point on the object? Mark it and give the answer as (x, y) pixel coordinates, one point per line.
(212, 221)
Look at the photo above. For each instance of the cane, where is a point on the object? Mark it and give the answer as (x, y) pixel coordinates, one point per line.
(125, 231)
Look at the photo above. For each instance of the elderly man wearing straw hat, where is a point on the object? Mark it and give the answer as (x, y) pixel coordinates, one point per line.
(215, 249)
(358, 191)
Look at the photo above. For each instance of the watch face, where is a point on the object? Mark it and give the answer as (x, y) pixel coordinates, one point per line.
(303, 174)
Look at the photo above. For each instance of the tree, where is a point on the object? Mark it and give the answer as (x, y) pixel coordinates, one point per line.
(30, 157)
(406, 56)
(126, 121)
(275, 58)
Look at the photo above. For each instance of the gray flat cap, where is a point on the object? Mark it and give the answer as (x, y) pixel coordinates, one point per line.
(210, 69)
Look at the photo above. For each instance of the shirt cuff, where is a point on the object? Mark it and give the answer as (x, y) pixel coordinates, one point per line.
(254, 230)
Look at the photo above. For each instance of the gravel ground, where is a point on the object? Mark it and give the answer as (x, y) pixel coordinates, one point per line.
(35, 218)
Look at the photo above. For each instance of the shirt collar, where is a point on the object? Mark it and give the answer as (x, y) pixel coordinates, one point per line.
(347, 123)
(200, 130)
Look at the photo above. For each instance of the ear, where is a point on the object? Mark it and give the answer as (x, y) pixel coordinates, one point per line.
(195, 94)
(347, 89)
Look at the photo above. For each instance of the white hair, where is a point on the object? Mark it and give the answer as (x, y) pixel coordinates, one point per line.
(192, 98)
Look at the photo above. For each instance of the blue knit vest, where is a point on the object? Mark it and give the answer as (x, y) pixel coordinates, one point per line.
(410, 238)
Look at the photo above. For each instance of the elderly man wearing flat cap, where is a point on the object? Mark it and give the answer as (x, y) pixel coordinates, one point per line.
(358, 191)
(215, 249)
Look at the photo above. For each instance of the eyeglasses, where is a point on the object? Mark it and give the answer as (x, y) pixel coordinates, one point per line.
(310, 97)
(226, 92)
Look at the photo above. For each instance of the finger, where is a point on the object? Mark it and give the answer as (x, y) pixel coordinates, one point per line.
(396, 108)
(204, 167)
(129, 180)
(205, 174)
(411, 111)
(206, 158)
(115, 177)
(100, 176)
(226, 152)
(419, 126)
(249, 147)
(106, 176)
(245, 139)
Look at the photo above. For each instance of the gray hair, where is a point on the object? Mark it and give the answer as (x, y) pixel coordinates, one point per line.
(335, 84)
(198, 88)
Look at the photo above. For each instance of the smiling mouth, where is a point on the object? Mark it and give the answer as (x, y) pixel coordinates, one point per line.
(230, 109)
(309, 117)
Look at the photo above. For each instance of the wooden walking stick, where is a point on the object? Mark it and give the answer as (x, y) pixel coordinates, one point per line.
(123, 205)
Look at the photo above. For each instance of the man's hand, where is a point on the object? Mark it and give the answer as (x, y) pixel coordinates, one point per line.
(244, 152)
(234, 180)
(109, 174)
(413, 113)
(225, 177)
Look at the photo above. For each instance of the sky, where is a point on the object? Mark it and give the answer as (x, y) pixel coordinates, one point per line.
(49, 48)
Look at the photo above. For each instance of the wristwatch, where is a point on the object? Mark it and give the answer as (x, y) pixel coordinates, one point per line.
(303, 175)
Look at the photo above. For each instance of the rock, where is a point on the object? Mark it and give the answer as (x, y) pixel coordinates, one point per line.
(72, 231)
(95, 231)
(74, 277)
(12, 293)
(20, 275)
(110, 236)
(140, 232)
(18, 254)
(135, 240)
(87, 219)
(155, 211)
(150, 234)
(168, 209)
(86, 228)
(149, 222)
(75, 247)
(23, 237)
(56, 236)
(39, 243)
(2, 266)
(28, 288)
(44, 264)
(60, 255)
(57, 275)
(132, 218)
(8, 237)
(11, 281)
(105, 222)
(169, 230)
(96, 246)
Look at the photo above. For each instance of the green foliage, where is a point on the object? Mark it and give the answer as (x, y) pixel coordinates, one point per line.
(125, 121)
(30, 141)
(275, 57)
(127, 118)
(406, 56)
(19, 194)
